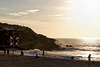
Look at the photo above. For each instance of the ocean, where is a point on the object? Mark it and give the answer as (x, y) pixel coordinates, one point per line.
(79, 49)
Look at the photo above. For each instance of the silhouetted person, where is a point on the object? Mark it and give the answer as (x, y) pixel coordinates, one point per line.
(36, 56)
(7, 52)
(22, 53)
(89, 57)
(72, 57)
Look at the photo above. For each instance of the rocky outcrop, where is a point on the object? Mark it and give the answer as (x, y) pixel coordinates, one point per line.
(27, 37)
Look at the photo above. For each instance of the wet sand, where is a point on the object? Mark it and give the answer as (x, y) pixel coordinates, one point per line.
(31, 61)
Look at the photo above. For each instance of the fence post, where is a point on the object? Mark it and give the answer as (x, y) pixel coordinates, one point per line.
(22, 53)
(43, 52)
(4, 51)
(7, 52)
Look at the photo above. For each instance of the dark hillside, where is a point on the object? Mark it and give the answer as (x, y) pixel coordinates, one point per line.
(27, 37)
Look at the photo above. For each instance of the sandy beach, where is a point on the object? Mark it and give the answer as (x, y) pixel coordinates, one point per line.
(31, 61)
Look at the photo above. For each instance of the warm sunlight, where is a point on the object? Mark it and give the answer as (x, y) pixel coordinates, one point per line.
(85, 18)
(86, 6)
(55, 18)
(86, 10)
(90, 38)
(66, 29)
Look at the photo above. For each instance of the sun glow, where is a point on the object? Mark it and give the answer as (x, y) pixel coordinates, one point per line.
(85, 8)
(85, 20)
(90, 38)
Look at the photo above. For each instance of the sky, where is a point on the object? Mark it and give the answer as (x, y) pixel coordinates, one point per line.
(54, 18)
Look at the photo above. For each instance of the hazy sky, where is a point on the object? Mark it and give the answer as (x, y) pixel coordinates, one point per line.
(54, 18)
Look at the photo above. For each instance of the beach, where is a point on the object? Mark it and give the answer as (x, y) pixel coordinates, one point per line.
(32, 61)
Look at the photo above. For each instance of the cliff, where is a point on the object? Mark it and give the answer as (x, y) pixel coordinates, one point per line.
(28, 39)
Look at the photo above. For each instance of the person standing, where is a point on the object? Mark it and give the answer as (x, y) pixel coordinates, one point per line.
(89, 57)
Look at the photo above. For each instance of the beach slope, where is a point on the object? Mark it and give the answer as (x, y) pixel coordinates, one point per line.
(31, 61)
